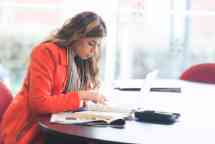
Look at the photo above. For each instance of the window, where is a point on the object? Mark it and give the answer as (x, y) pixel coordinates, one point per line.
(143, 35)
(167, 35)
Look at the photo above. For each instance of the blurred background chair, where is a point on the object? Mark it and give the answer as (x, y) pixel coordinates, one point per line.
(5, 99)
(204, 73)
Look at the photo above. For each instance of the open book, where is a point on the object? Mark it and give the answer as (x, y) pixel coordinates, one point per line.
(93, 114)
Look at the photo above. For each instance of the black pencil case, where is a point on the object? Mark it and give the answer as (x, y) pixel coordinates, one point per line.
(158, 117)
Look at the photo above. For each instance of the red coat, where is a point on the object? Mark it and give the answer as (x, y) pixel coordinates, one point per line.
(41, 93)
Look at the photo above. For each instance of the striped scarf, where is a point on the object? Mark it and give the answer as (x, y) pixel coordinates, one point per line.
(74, 82)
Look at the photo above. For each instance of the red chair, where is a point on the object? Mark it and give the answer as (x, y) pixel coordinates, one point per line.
(5, 99)
(204, 73)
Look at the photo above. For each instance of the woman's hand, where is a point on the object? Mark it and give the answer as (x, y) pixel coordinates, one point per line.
(92, 95)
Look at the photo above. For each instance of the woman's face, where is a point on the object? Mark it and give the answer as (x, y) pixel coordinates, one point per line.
(87, 47)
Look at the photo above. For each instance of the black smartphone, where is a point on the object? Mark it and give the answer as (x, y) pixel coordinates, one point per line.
(158, 117)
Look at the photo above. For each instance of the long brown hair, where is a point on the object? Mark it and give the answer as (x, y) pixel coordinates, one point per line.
(85, 24)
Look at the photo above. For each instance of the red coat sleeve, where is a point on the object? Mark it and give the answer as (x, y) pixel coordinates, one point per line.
(5, 98)
(41, 84)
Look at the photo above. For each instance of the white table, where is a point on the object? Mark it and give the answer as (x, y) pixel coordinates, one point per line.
(195, 103)
(196, 125)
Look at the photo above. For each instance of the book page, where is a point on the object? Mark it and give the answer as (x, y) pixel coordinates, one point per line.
(107, 108)
(91, 113)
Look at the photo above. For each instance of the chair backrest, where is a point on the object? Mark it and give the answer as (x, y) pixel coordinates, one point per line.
(5, 99)
(204, 73)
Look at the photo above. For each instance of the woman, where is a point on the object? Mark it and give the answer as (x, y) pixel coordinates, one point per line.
(62, 73)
